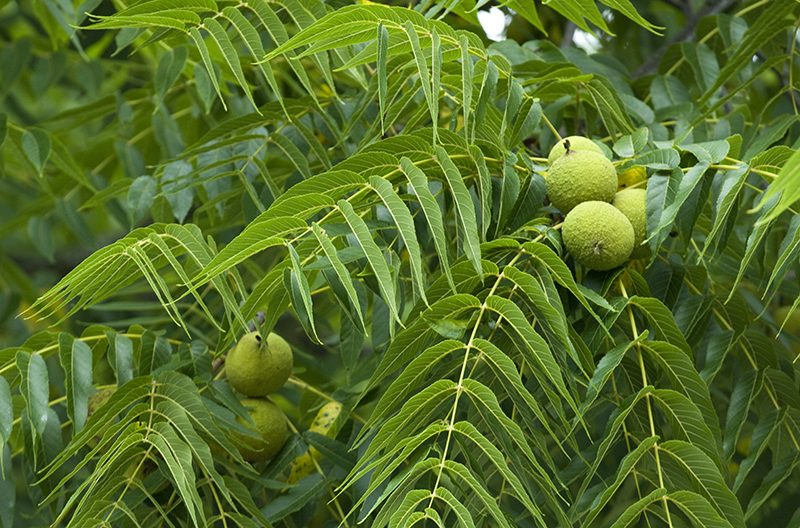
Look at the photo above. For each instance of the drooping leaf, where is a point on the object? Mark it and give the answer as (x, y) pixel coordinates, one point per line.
(432, 213)
(631, 515)
(76, 360)
(6, 421)
(698, 509)
(704, 477)
(626, 466)
(35, 388)
(383, 43)
(341, 272)
(405, 224)
(373, 254)
(465, 210)
(203, 49)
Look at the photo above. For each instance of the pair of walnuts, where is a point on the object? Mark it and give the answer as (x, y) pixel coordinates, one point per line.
(256, 368)
(603, 228)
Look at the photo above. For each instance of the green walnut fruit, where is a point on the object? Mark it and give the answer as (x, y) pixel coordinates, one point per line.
(571, 143)
(580, 176)
(270, 424)
(632, 204)
(598, 235)
(256, 368)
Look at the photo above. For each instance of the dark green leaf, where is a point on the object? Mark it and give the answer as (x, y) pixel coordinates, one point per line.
(35, 388)
(36, 145)
(76, 360)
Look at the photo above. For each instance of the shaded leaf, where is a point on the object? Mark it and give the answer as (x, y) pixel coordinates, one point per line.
(76, 360)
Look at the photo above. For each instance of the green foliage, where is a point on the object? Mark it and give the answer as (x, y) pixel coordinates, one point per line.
(368, 181)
